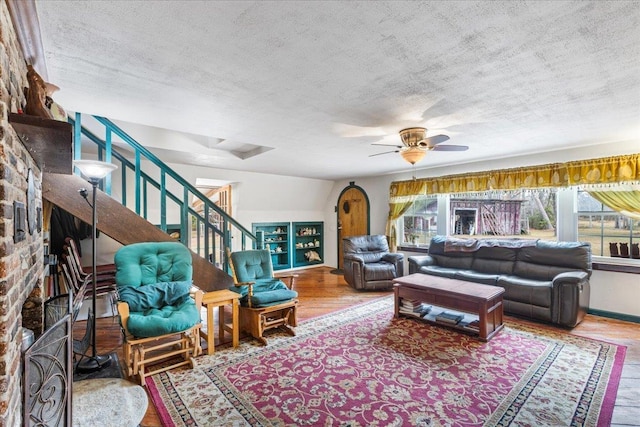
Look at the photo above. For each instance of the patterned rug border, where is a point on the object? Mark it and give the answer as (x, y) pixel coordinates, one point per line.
(614, 355)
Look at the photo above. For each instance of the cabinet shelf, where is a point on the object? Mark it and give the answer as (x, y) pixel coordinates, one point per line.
(302, 234)
(276, 235)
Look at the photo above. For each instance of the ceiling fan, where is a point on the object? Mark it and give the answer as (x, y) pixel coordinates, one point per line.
(416, 144)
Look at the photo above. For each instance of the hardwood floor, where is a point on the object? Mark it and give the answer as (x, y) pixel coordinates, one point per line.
(321, 292)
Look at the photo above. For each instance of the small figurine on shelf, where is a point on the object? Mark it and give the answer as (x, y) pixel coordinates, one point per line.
(312, 256)
(36, 95)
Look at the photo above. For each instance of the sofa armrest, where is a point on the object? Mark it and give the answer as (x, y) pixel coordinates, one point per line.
(417, 261)
(571, 294)
(570, 277)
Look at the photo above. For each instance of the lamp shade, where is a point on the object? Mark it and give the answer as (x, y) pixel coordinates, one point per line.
(412, 154)
(94, 169)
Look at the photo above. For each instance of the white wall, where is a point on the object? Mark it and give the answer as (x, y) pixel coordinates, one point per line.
(615, 292)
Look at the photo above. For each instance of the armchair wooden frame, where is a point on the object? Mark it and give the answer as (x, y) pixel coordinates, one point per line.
(141, 352)
(256, 320)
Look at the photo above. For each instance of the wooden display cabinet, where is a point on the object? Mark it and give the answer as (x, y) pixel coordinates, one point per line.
(308, 243)
(276, 239)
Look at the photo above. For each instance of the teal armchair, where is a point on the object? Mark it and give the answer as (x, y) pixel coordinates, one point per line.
(158, 306)
(266, 302)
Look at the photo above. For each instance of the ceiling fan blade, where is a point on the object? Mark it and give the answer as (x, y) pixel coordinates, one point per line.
(388, 145)
(386, 152)
(434, 140)
(450, 148)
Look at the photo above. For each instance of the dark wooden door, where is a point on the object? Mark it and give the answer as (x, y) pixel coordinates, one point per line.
(353, 215)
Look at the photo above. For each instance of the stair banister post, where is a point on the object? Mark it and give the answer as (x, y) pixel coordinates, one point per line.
(138, 182)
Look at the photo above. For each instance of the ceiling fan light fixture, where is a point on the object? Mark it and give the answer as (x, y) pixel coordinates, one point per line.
(413, 154)
(411, 137)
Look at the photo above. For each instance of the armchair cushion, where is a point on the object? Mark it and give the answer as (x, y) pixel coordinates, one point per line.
(379, 271)
(156, 295)
(266, 292)
(152, 262)
(168, 319)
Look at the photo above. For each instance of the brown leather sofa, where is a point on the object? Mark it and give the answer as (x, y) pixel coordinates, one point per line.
(368, 264)
(543, 280)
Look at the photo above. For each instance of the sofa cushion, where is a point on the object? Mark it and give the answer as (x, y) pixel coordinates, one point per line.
(536, 271)
(496, 252)
(535, 292)
(568, 255)
(476, 277)
(495, 266)
(458, 261)
(375, 271)
(435, 270)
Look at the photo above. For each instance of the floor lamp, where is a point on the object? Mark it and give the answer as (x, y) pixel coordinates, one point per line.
(94, 171)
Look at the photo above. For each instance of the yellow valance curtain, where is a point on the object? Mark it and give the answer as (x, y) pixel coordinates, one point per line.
(551, 175)
(605, 170)
(595, 171)
(625, 202)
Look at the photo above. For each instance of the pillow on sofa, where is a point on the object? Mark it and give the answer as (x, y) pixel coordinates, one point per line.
(155, 295)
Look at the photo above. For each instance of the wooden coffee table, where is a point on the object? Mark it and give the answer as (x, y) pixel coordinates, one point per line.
(476, 301)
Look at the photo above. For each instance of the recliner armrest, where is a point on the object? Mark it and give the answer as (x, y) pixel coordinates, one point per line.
(393, 258)
(353, 257)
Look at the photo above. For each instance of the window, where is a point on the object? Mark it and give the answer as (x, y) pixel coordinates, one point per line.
(523, 214)
(610, 233)
(420, 221)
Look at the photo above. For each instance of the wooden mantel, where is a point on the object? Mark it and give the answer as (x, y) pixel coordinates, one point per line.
(50, 142)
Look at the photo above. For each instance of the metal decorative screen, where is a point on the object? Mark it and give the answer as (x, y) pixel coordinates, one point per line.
(48, 376)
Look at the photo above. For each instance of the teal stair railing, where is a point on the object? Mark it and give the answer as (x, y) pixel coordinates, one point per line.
(159, 194)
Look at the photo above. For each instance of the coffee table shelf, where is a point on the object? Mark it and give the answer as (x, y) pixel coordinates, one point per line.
(475, 301)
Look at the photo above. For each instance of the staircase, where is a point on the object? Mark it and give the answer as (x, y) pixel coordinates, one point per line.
(150, 197)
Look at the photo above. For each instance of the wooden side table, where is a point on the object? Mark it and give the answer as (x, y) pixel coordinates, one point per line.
(220, 299)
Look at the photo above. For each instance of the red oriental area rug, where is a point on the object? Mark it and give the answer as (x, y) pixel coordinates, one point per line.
(362, 367)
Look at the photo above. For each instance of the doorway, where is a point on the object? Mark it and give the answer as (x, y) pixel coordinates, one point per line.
(466, 221)
(353, 216)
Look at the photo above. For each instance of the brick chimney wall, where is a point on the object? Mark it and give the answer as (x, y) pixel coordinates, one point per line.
(21, 263)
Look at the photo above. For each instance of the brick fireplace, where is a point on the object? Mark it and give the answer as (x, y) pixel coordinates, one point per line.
(21, 243)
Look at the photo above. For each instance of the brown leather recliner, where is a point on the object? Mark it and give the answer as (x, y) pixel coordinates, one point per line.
(368, 263)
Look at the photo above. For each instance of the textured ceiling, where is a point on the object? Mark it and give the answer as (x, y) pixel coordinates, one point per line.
(320, 81)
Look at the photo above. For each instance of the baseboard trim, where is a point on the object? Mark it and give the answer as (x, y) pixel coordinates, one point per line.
(614, 315)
